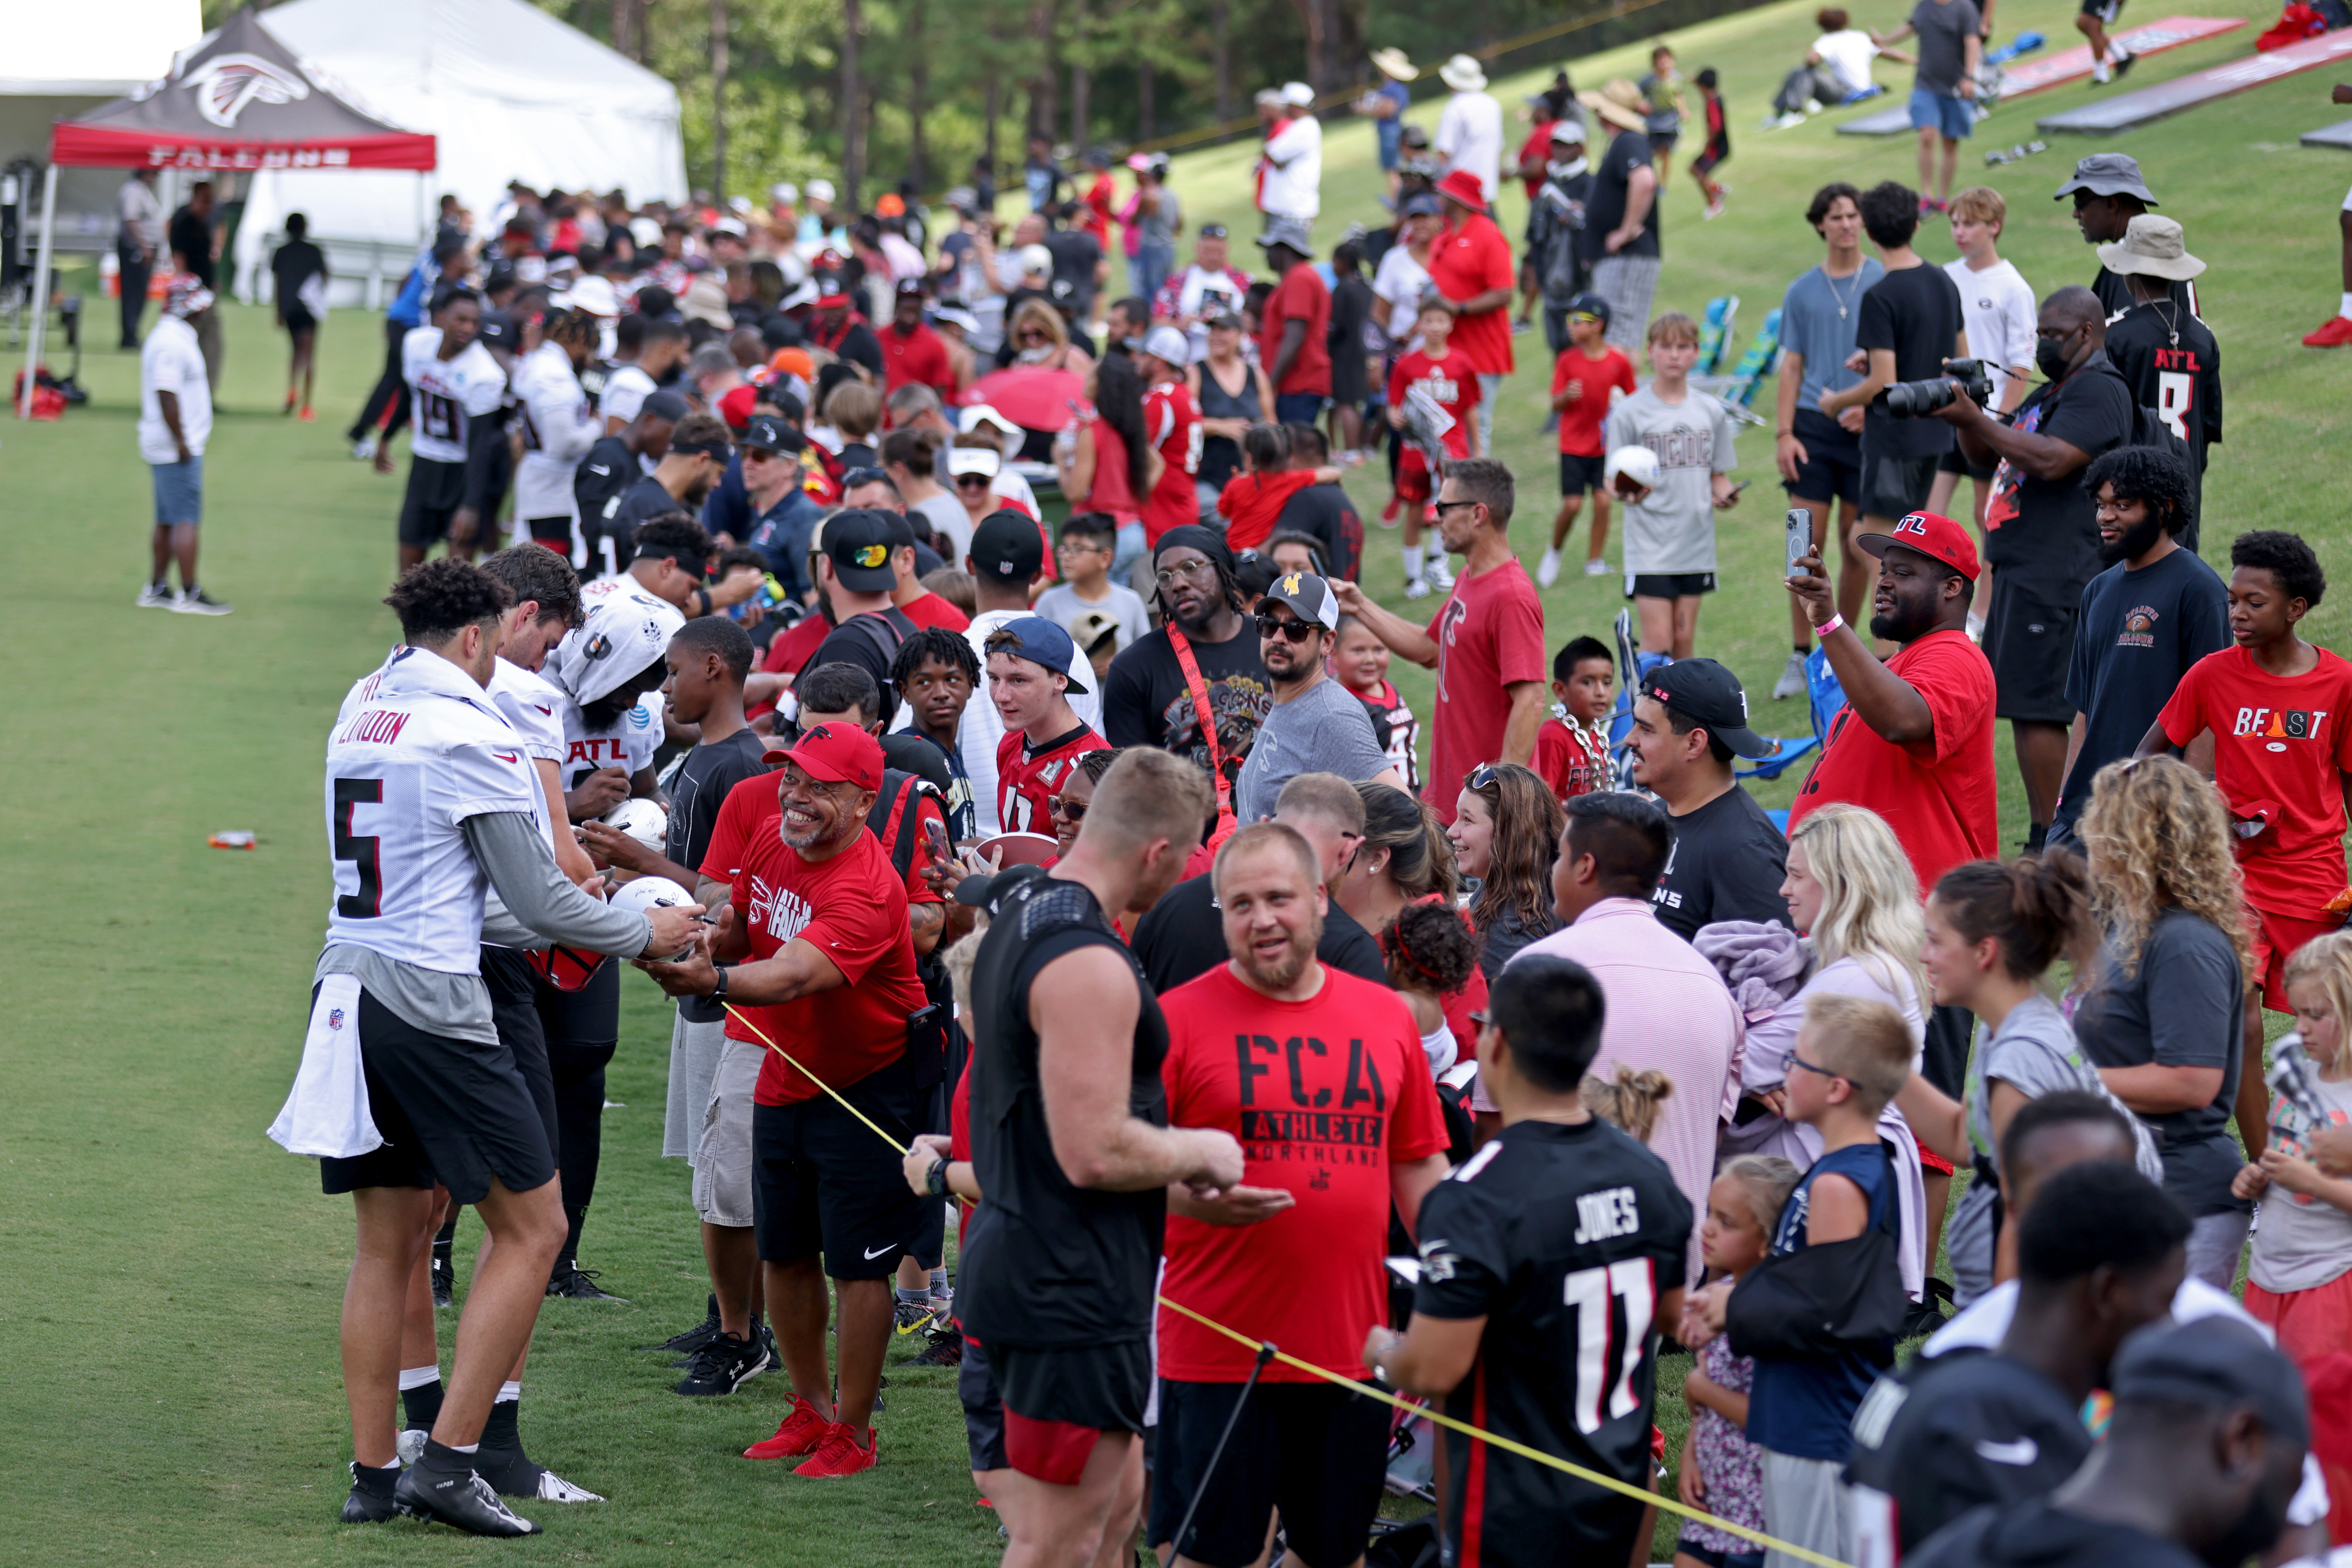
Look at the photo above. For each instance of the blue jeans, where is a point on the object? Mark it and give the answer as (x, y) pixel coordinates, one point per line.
(1127, 550)
(1299, 408)
(1150, 267)
(179, 492)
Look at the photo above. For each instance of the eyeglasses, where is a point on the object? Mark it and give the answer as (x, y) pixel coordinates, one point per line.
(1081, 546)
(1067, 810)
(857, 477)
(1196, 571)
(1795, 1060)
(1295, 631)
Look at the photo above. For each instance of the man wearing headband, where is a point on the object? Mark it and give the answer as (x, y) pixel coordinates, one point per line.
(688, 471)
(176, 418)
(1147, 697)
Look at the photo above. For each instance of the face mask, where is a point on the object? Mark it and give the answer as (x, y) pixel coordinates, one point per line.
(2051, 357)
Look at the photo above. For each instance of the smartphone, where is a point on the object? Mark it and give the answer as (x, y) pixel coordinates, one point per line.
(936, 837)
(1800, 524)
(1741, 485)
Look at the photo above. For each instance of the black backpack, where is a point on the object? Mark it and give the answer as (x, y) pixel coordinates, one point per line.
(904, 789)
(1830, 1299)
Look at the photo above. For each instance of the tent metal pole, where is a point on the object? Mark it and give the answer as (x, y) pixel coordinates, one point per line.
(40, 291)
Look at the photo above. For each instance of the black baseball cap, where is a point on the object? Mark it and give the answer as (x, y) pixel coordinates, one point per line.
(766, 433)
(859, 544)
(1007, 548)
(1210, 231)
(902, 528)
(1711, 697)
(1589, 304)
(2217, 1362)
(667, 405)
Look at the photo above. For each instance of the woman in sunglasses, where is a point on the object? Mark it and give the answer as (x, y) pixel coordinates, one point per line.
(1068, 805)
(1505, 830)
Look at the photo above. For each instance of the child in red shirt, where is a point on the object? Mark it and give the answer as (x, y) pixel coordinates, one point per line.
(1446, 375)
(1572, 745)
(1585, 381)
(1253, 500)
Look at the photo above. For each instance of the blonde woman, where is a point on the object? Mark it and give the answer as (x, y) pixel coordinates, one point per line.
(2162, 1013)
(1852, 897)
(1038, 337)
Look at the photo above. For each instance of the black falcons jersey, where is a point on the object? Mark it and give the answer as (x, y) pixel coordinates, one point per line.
(1951, 1435)
(1564, 1239)
(2173, 364)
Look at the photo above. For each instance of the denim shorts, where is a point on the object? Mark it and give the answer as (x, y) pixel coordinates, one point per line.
(1951, 116)
(179, 492)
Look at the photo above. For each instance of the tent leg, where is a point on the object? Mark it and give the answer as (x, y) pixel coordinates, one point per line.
(40, 290)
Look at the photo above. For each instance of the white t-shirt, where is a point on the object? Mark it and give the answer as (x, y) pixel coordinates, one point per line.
(558, 428)
(1200, 292)
(626, 391)
(170, 361)
(1998, 311)
(1294, 175)
(1848, 53)
(1470, 136)
(1402, 281)
(448, 394)
(1062, 606)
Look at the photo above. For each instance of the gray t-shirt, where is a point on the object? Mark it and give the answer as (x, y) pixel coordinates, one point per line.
(1673, 529)
(1944, 27)
(2033, 1052)
(1324, 730)
(1062, 606)
(1818, 318)
(1160, 227)
(2303, 1242)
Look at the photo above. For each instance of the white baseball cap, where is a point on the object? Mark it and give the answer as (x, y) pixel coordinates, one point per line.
(1035, 258)
(1298, 94)
(784, 191)
(594, 296)
(1638, 464)
(974, 460)
(1169, 344)
(820, 190)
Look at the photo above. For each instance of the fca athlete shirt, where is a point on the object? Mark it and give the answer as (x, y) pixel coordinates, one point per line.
(1565, 1238)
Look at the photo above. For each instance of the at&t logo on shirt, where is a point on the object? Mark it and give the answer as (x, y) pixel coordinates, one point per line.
(2279, 724)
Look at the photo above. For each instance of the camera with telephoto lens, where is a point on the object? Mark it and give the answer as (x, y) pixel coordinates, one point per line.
(1910, 400)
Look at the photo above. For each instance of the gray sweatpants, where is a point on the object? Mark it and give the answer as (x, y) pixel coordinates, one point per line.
(1806, 1505)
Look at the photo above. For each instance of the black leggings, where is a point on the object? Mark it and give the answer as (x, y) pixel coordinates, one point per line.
(391, 388)
(584, 1029)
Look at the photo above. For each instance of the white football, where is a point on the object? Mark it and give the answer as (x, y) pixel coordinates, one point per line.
(1632, 471)
(640, 894)
(642, 821)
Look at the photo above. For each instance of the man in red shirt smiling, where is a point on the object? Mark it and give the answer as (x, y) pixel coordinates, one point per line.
(1292, 343)
(815, 951)
(1471, 264)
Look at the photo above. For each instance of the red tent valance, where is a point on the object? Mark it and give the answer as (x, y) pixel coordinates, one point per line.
(107, 148)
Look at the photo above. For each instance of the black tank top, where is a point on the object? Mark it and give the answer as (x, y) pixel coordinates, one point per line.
(1049, 1265)
(1221, 455)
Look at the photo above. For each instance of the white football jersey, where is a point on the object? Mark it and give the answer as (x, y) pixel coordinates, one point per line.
(421, 750)
(559, 425)
(535, 710)
(623, 631)
(447, 395)
(628, 744)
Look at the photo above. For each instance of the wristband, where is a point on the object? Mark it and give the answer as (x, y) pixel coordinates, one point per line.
(706, 599)
(1831, 625)
(719, 993)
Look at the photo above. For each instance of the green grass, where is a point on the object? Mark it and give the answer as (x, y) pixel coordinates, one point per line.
(169, 1280)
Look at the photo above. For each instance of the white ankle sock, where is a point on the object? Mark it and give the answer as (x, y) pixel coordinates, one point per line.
(511, 1389)
(2346, 307)
(418, 1376)
(1411, 554)
(464, 1447)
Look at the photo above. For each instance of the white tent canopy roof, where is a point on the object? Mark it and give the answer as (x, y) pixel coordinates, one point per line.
(101, 51)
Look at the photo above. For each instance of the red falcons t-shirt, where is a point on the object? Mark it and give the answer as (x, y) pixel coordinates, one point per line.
(1467, 262)
(1489, 633)
(1938, 794)
(918, 358)
(1572, 760)
(793, 649)
(2280, 747)
(1027, 780)
(1325, 1095)
(1172, 424)
(930, 610)
(1452, 382)
(1301, 297)
(1581, 422)
(853, 909)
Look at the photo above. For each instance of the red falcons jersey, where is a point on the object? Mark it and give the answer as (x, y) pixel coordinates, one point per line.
(1172, 425)
(1451, 382)
(1028, 777)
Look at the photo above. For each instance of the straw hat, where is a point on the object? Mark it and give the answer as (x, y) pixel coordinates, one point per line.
(2152, 245)
(1619, 102)
(1393, 63)
(1462, 74)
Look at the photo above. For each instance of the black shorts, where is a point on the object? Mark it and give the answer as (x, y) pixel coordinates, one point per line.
(297, 321)
(1671, 584)
(2104, 10)
(1832, 470)
(1664, 140)
(1579, 473)
(1709, 161)
(582, 1025)
(984, 1407)
(514, 1010)
(436, 491)
(1058, 1402)
(1956, 462)
(455, 1112)
(2029, 636)
(556, 533)
(1314, 1450)
(822, 1182)
(1893, 486)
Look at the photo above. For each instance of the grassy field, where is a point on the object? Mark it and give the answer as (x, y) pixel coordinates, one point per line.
(168, 1279)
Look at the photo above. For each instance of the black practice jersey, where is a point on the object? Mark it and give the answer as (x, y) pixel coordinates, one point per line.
(1564, 1239)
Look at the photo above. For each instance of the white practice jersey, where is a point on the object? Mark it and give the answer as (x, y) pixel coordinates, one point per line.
(623, 631)
(535, 710)
(628, 743)
(418, 749)
(559, 425)
(448, 394)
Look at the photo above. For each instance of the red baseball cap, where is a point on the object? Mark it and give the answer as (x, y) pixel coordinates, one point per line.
(1931, 535)
(836, 753)
(735, 405)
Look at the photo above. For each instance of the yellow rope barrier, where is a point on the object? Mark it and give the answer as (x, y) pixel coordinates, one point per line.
(1671, 1505)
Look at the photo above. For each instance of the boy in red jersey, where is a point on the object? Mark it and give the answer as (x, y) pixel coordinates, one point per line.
(1572, 745)
(2277, 708)
(1452, 383)
(1171, 423)
(1587, 373)
(1029, 665)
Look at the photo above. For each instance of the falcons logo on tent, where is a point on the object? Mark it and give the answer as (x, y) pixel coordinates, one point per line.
(225, 84)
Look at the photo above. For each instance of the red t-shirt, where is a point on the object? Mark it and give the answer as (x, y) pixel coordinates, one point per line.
(1581, 422)
(2280, 749)
(791, 650)
(959, 1142)
(1325, 1095)
(853, 909)
(1301, 297)
(1467, 262)
(1113, 490)
(1098, 198)
(1573, 761)
(1027, 780)
(1537, 147)
(1451, 381)
(1172, 424)
(918, 358)
(930, 610)
(1252, 503)
(1938, 794)
(1489, 634)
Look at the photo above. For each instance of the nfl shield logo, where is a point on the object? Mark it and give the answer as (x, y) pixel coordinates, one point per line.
(335, 1018)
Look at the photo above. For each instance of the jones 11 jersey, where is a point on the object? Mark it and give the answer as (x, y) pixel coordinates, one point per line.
(417, 750)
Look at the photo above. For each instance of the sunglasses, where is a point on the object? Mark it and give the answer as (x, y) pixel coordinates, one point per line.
(1485, 776)
(1067, 810)
(1448, 506)
(977, 479)
(1293, 631)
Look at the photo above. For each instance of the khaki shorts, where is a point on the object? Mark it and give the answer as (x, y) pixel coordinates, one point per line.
(694, 1052)
(723, 1156)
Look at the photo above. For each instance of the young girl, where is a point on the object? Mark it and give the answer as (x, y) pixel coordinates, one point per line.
(1360, 660)
(1628, 1099)
(1431, 955)
(1505, 830)
(1722, 1471)
(2299, 1278)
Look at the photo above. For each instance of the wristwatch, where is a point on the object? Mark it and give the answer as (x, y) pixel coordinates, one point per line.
(935, 1180)
(718, 992)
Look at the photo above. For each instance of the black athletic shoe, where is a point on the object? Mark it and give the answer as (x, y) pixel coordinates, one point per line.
(945, 1349)
(444, 1279)
(371, 1500)
(686, 1343)
(908, 1316)
(1924, 1318)
(580, 1284)
(460, 1499)
(725, 1365)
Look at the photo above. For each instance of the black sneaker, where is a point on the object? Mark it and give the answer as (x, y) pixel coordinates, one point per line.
(945, 1349)
(580, 1284)
(371, 1500)
(725, 1365)
(908, 1316)
(684, 1344)
(445, 1281)
(460, 1499)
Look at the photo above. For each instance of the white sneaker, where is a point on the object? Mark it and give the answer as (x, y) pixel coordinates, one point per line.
(2101, 75)
(1792, 683)
(153, 596)
(1440, 573)
(1416, 587)
(363, 449)
(197, 601)
(1547, 569)
(1596, 566)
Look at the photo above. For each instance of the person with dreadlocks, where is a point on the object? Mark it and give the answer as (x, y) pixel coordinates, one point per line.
(559, 425)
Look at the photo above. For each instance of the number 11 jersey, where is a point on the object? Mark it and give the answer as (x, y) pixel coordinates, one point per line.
(1564, 1239)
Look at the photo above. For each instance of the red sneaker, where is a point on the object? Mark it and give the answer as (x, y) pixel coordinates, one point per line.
(2335, 334)
(1389, 512)
(840, 1454)
(802, 1430)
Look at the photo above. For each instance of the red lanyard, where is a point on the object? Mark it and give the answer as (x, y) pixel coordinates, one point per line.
(1200, 690)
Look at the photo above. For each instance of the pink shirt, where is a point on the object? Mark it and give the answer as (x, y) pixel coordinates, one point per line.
(1667, 1008)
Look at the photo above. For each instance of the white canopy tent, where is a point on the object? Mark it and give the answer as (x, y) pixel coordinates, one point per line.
(510, 93)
